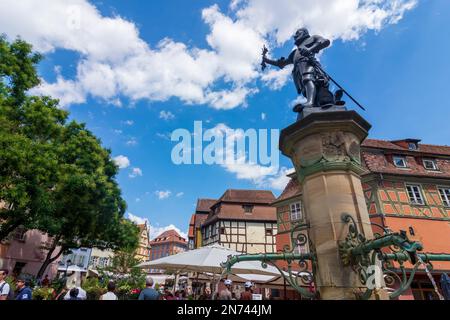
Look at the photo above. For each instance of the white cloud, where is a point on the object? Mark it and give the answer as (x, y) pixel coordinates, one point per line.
(335, 19)
(136, 219)
(166, 115)
(136, 172)
(263, 116)
(114, 61)
(280, 180)
(67, 91)
(116, 102)
(262, 176)
(296, 101)
(156, 231)
(128, 123)
(275, 79)
(132, 142)
(180, 194)
(163, 194)
(122, 162)
(165, 136)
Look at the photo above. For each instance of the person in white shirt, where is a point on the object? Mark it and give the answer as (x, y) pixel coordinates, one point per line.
(81, 294)
(110, 295)
(4, 286)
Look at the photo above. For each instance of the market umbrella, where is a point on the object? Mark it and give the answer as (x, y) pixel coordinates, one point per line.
(72, 268)
(208, 260)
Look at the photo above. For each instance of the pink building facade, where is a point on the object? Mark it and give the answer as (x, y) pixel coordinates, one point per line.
(23, 253)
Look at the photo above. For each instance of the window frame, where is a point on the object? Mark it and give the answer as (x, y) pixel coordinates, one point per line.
(298, 211)
(403, 158)
(420, 191)
(413, 146)
(248, 208)
(433, 161)
(20, 234)
(446, 200)
(204, 233)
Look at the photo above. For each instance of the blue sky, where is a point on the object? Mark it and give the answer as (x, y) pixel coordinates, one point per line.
(392, 58)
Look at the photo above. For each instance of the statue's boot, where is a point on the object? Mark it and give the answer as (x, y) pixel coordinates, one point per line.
(338, 97)
(311, 91)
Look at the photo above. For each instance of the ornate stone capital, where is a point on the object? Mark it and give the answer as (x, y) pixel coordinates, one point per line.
(325, 142)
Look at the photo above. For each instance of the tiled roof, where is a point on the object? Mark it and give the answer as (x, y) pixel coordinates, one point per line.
(236, 212)
(203, 205)
(232, 201)
(168, 236)
(192, 222)
(397, 146)
(377, 158)
(191, 227)
(293, 189)
(247, 196)
(382, 162)
(200, 219)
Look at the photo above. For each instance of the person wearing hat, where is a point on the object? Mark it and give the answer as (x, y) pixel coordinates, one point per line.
(23, 290)
(226, 294)
(248, 293)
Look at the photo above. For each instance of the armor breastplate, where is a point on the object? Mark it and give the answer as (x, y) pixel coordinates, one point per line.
(308, 43)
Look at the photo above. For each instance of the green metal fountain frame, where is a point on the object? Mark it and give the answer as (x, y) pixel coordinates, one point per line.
(384, 250)
(300, 278)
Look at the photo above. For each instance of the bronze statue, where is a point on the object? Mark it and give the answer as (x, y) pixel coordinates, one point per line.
(310, 79)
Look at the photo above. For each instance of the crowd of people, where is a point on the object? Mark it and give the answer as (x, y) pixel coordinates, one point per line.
(23, 291)
(149, 293)
(228, 294)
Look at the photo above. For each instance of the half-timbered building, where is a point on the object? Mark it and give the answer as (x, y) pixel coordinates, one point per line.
(242, 220)
(407, 188)
(197, 219)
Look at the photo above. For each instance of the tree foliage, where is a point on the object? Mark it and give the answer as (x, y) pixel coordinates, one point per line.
(125, 273)
(55, 175)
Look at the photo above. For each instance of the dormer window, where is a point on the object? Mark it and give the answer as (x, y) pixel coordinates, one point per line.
(400, 162)
(430, 164)
(413, 146)
(248, 208)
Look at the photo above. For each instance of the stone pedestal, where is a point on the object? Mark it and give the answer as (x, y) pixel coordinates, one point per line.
(325, 150)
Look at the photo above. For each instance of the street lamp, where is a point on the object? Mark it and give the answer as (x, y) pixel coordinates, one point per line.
(68, 264)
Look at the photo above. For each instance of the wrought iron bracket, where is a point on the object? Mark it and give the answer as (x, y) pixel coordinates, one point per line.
(297, 277)
(360, 253)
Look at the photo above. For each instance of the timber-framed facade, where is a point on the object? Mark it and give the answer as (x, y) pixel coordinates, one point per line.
(242, 220)
(407, 188)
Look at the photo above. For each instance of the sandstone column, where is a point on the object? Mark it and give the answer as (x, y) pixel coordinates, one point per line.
(325, 150)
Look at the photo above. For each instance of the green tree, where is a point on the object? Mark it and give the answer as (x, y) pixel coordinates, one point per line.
(88, 207)
(17, 69)
(28, 157)
(124, 271)
(55, 176)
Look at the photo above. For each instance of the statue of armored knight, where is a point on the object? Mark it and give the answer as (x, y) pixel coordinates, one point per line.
(309, 78)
